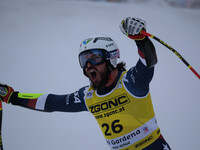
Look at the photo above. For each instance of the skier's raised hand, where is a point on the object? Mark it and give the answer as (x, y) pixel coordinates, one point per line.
(5, 93)
(131, 27)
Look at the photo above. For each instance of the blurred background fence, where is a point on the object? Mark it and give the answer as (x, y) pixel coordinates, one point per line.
(178, 3)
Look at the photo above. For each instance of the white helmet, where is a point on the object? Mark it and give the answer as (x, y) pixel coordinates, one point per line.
(102, 43)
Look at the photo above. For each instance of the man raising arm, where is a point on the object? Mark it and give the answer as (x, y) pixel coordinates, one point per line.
(119, 100)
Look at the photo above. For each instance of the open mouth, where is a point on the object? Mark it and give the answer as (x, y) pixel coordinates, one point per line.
(92, 74)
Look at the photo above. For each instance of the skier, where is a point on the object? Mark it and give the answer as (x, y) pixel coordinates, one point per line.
(119, 100)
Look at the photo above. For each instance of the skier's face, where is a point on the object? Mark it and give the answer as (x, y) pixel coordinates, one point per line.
(97, 74)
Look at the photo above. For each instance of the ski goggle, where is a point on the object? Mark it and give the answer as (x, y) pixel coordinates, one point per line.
(96, 56)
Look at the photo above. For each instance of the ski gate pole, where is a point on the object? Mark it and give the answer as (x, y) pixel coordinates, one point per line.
(173, 50)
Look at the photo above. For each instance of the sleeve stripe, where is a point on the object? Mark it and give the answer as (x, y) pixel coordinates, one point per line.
(40, 104)
(141, 54)
(142, 57)
(32, 103)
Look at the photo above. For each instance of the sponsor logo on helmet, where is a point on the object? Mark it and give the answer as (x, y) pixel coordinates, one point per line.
(109, 45)
(102, 38)
(87, 41)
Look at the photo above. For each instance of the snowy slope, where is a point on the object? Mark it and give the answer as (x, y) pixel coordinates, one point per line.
(39, 43)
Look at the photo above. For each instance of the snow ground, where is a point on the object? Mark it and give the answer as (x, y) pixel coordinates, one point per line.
(39, 43)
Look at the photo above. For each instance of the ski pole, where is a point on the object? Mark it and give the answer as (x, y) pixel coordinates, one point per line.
(173, 50)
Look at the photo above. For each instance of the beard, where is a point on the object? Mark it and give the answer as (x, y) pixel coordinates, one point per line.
(102, 80)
